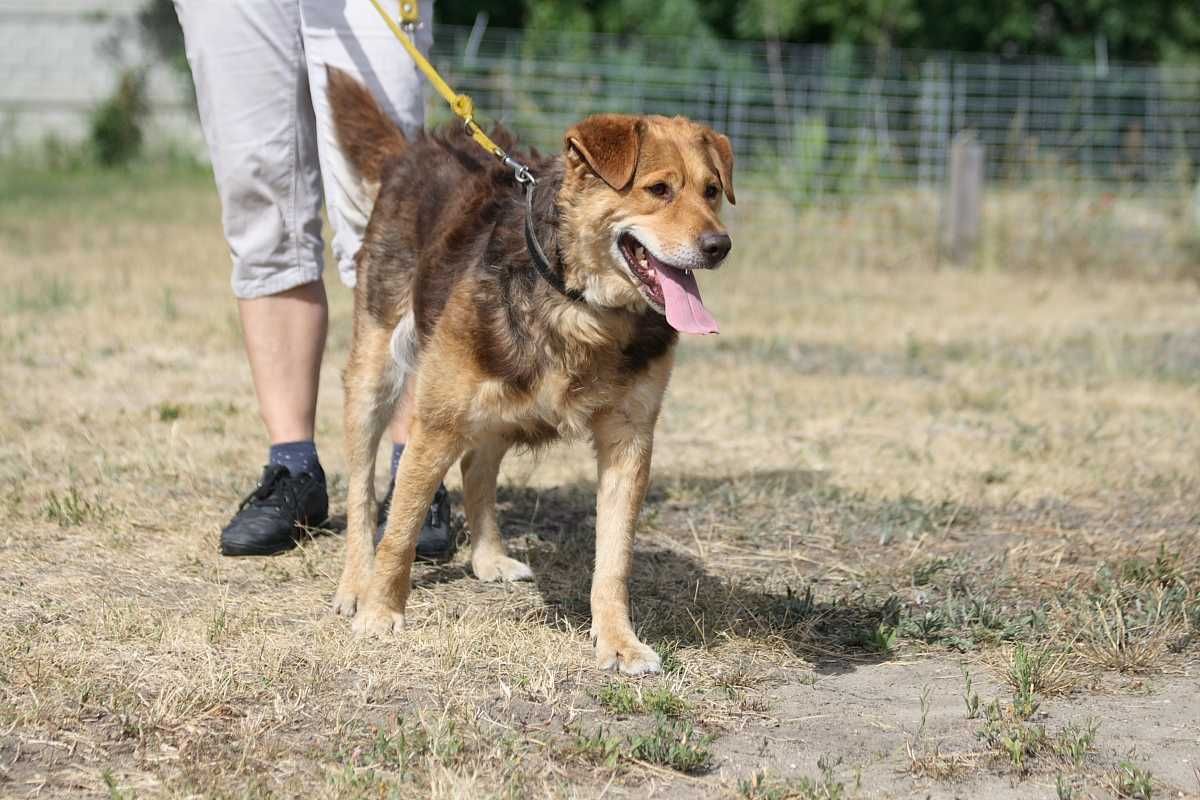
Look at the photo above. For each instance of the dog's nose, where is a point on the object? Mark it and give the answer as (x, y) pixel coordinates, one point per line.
(715, 246)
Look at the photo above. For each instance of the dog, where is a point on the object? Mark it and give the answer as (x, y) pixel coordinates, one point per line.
(451, 308)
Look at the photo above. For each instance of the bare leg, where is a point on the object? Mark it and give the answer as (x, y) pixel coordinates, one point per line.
(370, 394)
(427, 456)
(489, 559)
(285, 339)
(402, 419)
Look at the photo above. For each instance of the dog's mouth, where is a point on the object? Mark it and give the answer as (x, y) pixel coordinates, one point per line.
(670, 290)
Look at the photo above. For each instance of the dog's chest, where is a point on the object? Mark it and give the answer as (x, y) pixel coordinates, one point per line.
(560, 404)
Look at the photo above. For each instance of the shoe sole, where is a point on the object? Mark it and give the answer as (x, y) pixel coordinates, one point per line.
(236, 551)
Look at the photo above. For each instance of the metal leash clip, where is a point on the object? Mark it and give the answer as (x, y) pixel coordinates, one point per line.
(410, 15)
(520, 172)
(464, 109)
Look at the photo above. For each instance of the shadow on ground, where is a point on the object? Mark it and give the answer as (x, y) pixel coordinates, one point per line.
(681, 598)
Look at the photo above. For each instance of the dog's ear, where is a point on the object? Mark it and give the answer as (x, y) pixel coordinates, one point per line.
(722, 155)
(609, 144)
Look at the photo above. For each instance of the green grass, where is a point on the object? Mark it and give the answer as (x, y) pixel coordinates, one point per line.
(1075, 742)
(598, 747)
(625, 699)
(880, 471)
(1009, 735)
(44, 296)
(826, 786)
(970, 696)
(70, 508)
(668, 652)
(34, 188)
(1025, 675)
(169, 412)
(669, 742)
(113, 788)
(152, 192)
(672, 743)
(1133, 782)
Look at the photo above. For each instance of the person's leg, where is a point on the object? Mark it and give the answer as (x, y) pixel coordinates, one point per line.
(252, 90)
(285, 339)
(401, 423)
(353, 38)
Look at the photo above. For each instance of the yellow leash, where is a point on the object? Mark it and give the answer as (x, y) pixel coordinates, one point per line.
(460, 104)
(464, 109)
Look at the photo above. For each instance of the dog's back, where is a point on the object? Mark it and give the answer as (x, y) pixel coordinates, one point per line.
(440, 200)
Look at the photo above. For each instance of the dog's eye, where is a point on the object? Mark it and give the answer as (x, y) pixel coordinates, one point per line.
(659, 189)
(711, 191)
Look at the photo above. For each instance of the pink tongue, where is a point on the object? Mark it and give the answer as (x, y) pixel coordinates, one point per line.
(685, 310)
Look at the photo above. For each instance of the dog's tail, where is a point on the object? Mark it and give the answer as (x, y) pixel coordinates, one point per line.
(367, 136)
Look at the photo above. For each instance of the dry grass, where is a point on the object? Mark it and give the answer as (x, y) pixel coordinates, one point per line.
(884, 467)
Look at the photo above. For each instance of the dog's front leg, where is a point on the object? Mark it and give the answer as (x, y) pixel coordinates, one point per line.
(427, 456)
(623, 445)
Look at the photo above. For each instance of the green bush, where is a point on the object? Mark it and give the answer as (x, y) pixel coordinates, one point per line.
(116, 129)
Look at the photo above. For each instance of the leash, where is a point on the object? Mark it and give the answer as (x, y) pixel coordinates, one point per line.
(464, 108)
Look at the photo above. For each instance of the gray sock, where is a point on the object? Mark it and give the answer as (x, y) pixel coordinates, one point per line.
(397, 451)
(298, 457)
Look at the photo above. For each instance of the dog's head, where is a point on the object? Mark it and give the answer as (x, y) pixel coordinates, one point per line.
(643, 197)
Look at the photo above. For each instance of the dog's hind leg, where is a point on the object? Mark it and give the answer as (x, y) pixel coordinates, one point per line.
(371, 391)
(489, 560)
(429, 453)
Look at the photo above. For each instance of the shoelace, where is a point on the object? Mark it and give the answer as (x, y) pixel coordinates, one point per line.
(277, 481)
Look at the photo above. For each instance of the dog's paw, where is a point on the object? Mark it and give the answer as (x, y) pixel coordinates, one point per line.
(378, 622)
(626, 654)
(501, 568)
(345, 601)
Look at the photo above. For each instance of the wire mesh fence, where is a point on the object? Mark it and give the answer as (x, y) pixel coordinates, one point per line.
(820, 121)
(808, 123)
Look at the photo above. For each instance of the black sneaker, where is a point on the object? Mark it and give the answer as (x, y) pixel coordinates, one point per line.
(435, 542)
(268, 519)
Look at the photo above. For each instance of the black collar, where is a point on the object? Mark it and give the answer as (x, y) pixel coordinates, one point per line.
(538, 255)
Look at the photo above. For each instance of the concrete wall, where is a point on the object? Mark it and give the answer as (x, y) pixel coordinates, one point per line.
(60, 60)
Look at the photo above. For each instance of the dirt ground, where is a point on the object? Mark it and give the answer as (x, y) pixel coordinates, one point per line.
(914, 530)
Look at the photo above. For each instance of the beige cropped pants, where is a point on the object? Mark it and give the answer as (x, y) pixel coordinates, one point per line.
(259, 70)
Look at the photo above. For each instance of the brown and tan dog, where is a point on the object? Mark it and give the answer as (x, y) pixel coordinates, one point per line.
(449, 307)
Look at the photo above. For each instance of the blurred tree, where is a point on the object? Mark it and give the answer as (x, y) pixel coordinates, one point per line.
(501, 13)
(160, 27)
(1138, 30)
(1131, 30)
(875, 23)
(678, 18)
(552, 16)
(662, 18)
